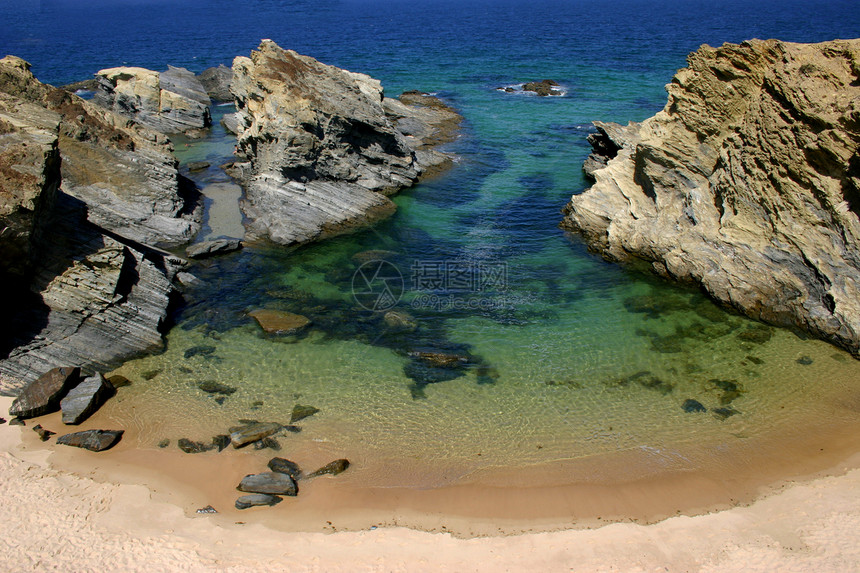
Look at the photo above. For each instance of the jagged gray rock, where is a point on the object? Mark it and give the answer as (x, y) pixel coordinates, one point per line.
(217, 81)
(747, 183)
(43, 395)
(212, 248)
(83, 400)
(321, 151)
(173, 101)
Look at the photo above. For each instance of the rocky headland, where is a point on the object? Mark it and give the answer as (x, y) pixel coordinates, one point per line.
(321, 148)
(747, 184)
(87, 201)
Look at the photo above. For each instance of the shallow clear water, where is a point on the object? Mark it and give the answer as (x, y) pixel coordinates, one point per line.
(564, 356)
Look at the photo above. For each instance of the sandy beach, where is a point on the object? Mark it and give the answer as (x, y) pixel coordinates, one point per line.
(61, 520)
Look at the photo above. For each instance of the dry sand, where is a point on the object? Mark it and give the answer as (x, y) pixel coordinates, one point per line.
(52, 519)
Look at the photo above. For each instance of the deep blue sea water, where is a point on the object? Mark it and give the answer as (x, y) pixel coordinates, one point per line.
(571, 357)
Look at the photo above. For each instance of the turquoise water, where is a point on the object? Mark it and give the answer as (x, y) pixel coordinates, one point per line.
(559, 355)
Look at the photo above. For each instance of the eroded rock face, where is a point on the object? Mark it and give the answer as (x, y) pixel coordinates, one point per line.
(170, 102)
(321, 146)
(98, 291)
(747, 183)
(217, 81)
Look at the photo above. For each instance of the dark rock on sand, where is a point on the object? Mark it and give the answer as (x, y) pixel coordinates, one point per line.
(301, 412)
(43, 395)
(246, 501)
(269, 482)
(83, 400)
(691, 405)
(285, 466)
(191, 447)
(208, 509)
(44, 434)
(269, 442)
(164, 443)
(212, 248)
(93, 440)
(253, 432)
(331, 468)
(17, 422)
(804, 360)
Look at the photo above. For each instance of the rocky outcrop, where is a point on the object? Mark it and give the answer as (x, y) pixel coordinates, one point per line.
(99, 290)
(216, 81)
(321, 145)
(275, 483)
(174, 101)
(747, 183)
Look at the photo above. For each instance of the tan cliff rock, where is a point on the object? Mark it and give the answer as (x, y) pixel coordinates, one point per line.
(747, 183)
(173, 101)
(320, 148)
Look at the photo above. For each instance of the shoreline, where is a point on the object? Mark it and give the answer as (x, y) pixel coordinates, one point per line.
(798, 525)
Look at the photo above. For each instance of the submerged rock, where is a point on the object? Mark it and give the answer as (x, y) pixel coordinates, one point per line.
(321, 146)
(212, 387)
(118, 381)
(253, 432)
(191, 447)
(724, 412)
(198, 165)
(269, 482)
(202, 350)
(285, 466)
(332, 468)
(93, 440)
(713, 192)
(301, 412)
(43, 395)
(256, 499)
(691, 405)
(279, 321)
(84, 399)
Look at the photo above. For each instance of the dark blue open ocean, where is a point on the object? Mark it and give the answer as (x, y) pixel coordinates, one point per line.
(572, 357)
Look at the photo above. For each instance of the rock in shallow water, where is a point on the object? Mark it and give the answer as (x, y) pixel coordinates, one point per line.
(93, 440)
(269, 482)
(191, 447)
(301, 412)
(691, 405)
(256, 499)
(331, 468)
(212, 248)
(43, 395)
(84, 399)
(280, 322)
(253, 432)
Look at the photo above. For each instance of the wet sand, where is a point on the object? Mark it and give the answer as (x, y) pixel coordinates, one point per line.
(74, 510)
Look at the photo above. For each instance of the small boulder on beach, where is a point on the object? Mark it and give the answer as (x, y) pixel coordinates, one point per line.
(83, 400)
(256, 499)
(285, 466)
(269, 482)
(43, 395)
(253, 432)
(93, 440)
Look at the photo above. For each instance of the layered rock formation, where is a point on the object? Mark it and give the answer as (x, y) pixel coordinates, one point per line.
(87, 198)
(321, 145)
(217, 82)
(174, 101)
(747, 183)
